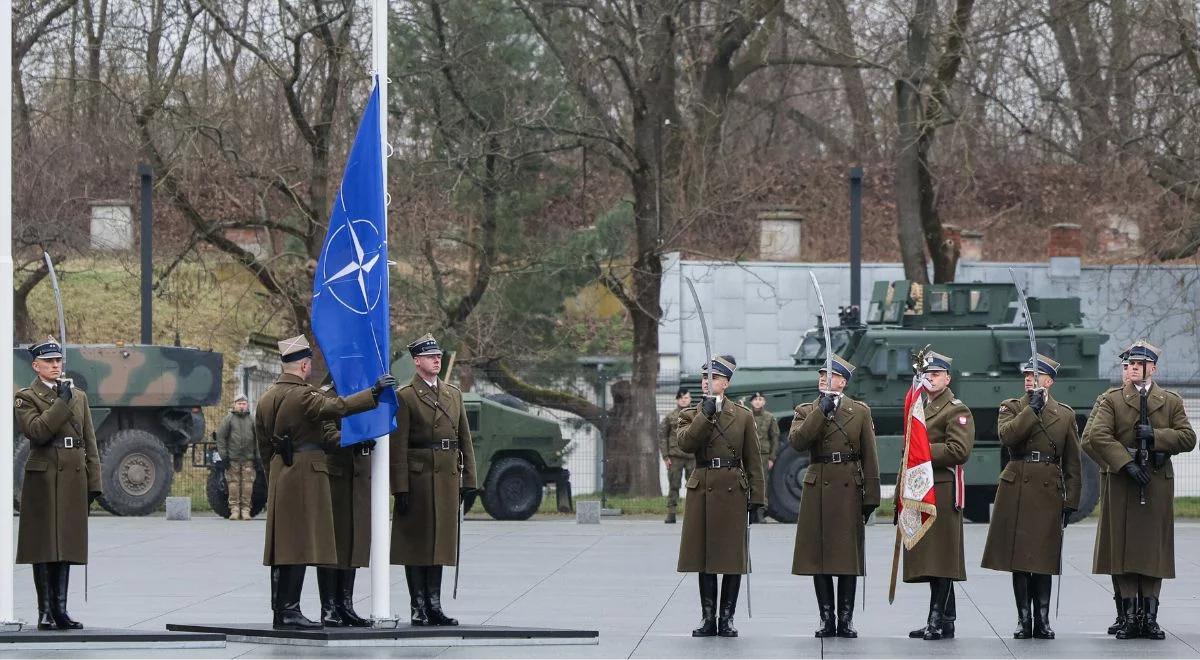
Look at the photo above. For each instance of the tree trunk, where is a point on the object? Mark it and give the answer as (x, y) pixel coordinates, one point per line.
(909, 180)
(865, 146)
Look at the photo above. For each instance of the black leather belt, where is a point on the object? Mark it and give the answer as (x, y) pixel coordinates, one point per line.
(1038, 457)
(66, 442)
(719, 463)
(838, 457)
(443, 445)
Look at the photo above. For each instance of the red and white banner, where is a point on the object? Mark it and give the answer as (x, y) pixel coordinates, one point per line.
(916, 504)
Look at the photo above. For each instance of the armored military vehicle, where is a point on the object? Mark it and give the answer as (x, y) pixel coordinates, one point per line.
(145, 403)
(971, 322)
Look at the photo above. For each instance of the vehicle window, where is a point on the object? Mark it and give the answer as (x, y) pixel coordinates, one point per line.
(473, 420)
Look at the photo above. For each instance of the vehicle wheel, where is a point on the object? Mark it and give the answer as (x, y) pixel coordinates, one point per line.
(1089, 491)
(217, 491)
(136, 473)
(20, 456)
(512, 490)
(258, 494)
(979, 500)
(785, 485)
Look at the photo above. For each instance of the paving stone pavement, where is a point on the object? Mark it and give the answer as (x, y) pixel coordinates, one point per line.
(617, 577)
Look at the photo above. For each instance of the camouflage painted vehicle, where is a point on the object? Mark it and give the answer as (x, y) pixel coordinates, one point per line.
(145, 403)
(971, 322)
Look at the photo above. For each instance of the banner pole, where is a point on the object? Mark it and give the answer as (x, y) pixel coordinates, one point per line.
(381, 533)
(6, 313)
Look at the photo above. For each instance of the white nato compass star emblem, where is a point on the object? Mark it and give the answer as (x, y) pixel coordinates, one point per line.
(358, 283)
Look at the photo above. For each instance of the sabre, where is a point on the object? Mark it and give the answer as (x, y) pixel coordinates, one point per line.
(461, 505)
(708, 386)
(825, 325)
(62, 324)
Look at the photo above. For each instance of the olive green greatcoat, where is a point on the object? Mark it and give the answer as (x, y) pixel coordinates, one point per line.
(427, 534)
(54, 497)
(1025, 533)
(1132, 537)
(668, 436)
(951, 429)
(1100, 552)
(829, 528)
(767, 429)
(300, 527)
(350, 495)
(714, 513)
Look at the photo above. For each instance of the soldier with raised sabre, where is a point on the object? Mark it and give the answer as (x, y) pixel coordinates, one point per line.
(62, 479)
(1135, 541)
(727, 484)
(1039, 488)
(432, 473)
(938, 559)
(350, 497)
(841, 491)
(680, 464)
(290, 426)
(767, 428)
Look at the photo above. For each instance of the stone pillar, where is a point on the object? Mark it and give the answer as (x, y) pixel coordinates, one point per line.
(779, 233)
(972, 245)
(1066, 240)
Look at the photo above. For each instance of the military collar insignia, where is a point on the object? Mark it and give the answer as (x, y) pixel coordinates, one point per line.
(20, 402)
(957, 402)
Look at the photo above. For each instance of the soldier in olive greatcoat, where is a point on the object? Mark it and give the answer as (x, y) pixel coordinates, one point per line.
(62, 479)
(1134, 433)
(726, 487)
(1039, 488)
(938, 558)
(432, 474)
(289, 425)
(841, 490)
(680, 464)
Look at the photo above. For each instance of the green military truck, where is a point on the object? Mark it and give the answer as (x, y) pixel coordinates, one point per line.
(146, 408)
(971, 322)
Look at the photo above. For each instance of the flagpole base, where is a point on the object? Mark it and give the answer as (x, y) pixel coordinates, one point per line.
(391, 622)
(11, 626)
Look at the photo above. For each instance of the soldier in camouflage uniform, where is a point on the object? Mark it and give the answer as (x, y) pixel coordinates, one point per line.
(680, 464)
(238, 455)
(62, 479)
(289, 425)
(768, 440)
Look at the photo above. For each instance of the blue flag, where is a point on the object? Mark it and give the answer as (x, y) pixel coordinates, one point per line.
(350, 287)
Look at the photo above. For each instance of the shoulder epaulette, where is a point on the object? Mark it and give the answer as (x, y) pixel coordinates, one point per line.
(957, 402)
(1065, 406)
(405, 387)
(742, 406)
(452, 385)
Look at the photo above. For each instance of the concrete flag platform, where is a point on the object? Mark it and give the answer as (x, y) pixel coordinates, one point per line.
(103, 639)
(402, 635)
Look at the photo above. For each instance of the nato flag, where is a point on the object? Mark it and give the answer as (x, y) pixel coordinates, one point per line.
(350, 287)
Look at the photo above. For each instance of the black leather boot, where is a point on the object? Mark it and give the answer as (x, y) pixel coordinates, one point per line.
(708, 606)
(327, 582)
(1042, 585)
(1020, 582)
(345, 599)
(1120, 620)
(415, 576)
(1150, 627)
(823, 585)
(919, 633)
(60, 578)
(949, 611)
(730, 586)
(938, 607)
(845, 606)
(433, 598)
(290, 584)
(41, 583)
(1131, 628)
(670, 519)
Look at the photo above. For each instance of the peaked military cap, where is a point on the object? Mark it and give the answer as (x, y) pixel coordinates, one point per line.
(45, 350)
(722, 365)
(1143, 351)
(1045, 365)
(294, 349)
(426, 345)
(936, 362)
(840, 367)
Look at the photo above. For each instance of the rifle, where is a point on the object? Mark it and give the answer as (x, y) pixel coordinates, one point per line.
(1142, 458)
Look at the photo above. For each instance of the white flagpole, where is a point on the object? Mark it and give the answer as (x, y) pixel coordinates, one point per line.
(6, 315)
(381, 497)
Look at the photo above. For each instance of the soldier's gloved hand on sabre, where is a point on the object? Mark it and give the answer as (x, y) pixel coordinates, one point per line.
(1037, 400)
(753, 508)
(1145, 433)
(383, 382)
(1067, 511)
(93, 495)
(465, 492)
(401, 503)
(709, 407)
(1136, 473)
(827, 403)
(64, 390)
(867, 510)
